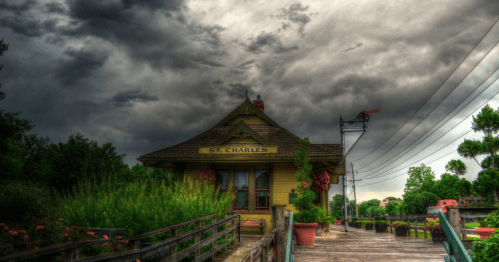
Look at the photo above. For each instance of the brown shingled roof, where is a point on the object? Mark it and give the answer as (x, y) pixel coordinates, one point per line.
(273, 133)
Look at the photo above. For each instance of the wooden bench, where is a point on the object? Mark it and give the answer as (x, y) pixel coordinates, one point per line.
(260, 223)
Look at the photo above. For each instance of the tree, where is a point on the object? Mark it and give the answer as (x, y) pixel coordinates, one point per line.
(420, 179)
(456, 166)
(392, 208)
(12, 129)
(446, 187)
(416, 203)
(487, 121)
(390, 198)
(337, 205)
(364, 210)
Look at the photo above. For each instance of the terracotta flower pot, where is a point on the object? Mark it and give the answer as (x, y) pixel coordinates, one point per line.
(438, 235)
(484, 232)
(338, 222)
(305, 233)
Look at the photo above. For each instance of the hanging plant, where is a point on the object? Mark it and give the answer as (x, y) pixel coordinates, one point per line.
(207, 175)
(321, 181)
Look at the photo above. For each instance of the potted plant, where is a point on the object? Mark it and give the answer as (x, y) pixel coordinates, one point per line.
(308, 214)
(436, 231)
(400, 228)
(381, 225)
(350, 223)
(358, 223)
(488, 225)
(325, 219)
(339, 222)
(368, 224)
(485, 250)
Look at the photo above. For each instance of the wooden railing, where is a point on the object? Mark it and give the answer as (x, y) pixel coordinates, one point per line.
(456, 246)
(289, 240)
(169, 246)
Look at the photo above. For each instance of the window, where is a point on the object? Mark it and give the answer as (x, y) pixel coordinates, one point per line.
(262, 191)
(241, 189)
(222, 180)
(444, 203)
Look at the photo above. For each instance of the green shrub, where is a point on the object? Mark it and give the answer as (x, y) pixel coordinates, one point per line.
(486, 250)
(139, 207)
(492, 220)
(368, 222)
(381, 223)
(325, 217)
(400, 224)
(23, 201)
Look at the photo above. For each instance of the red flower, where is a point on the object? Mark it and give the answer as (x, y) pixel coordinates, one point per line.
(39, 227)
(6, 227)
(36, 248)
(46, 222)
(2, 224)
(105, 244)
(67, 228)
(58, 222)
(137, 260)
(119, 237)
(66, 234)
(118, 246)
(104, 236)
(13, 233)
(126, 241)
(26, 236)
(61, 219)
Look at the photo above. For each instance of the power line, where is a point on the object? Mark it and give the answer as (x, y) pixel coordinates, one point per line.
(404, 168)
(431, 95)
(436, 129)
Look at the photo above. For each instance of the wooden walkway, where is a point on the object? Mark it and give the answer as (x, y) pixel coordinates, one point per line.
(369, 246)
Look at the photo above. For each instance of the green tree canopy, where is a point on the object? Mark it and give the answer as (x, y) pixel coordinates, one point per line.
(420, 179)
(487, 121)
(392, 208)
(456, 166)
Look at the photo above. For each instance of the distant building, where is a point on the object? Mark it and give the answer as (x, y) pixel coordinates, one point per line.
(465, 201)
(386, 201)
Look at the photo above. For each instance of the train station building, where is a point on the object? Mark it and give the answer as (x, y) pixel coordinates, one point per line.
(250, 150)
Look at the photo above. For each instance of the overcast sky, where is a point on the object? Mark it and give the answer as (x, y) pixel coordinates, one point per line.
(145, 75)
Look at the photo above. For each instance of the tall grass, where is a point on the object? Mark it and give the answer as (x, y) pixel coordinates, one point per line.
(142, 205)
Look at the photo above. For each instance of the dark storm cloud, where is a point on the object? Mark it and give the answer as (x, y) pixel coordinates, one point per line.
(54, 7)
(80, 65)
(177, 44)
(238, 90)
(17, 6)
(22, 25)
(357, 45)
(246, 65)
(126, 98)
(257, 45)
(294, 15)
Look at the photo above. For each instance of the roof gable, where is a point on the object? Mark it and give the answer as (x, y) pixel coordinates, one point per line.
(246, 109)
(241, 131)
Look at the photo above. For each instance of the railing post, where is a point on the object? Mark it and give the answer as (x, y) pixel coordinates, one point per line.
(214, 232)
(197, 239)
(425, 229)
(281, 233)
(73, 254)
(463, 227)
(454, 219)
(174, 234)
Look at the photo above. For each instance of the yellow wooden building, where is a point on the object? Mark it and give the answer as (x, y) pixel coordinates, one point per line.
(253, 152)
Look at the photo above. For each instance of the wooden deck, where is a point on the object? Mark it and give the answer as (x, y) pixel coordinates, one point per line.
(367, 246)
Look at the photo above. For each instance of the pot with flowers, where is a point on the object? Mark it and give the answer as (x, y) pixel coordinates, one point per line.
(358, 223)
(400, 228)
(308, 214)
(325, 219)
(488, 225)
(368, 224)
(380, 225)
(436, 231)
(339, 222)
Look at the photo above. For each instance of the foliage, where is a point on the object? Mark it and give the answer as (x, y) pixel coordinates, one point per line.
(381, 223)
(308, 212)
(368, 222)
(321, 181)
(140, 207)
(480, 204)
(456, 166)
(492, 220)
(392, 208)
(337, 206)
(400, 224)
(433, 224)
(390, 198)
(487, 121)
(420, 179)
(21, 201)
(416, 203)
(364, 210)
(375, 211)
(446, 187)
(325, 217)
(486, 250)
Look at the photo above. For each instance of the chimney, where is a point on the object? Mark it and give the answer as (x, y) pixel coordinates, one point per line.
(259, 103)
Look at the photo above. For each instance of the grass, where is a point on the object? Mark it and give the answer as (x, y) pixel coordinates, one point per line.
(468, 225)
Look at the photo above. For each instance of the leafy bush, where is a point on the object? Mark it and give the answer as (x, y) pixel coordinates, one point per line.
(325, 217)
(433, 224)
(139, 207)
(400, 224)
(381, 223)
(492, 220)
(22, 201)
(486, 250)
(368, 222)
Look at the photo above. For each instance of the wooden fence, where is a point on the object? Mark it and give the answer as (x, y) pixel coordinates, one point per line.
(157, 250)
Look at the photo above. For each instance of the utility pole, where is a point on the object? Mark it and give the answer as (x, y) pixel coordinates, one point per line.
(354, 192)
(345, 202)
